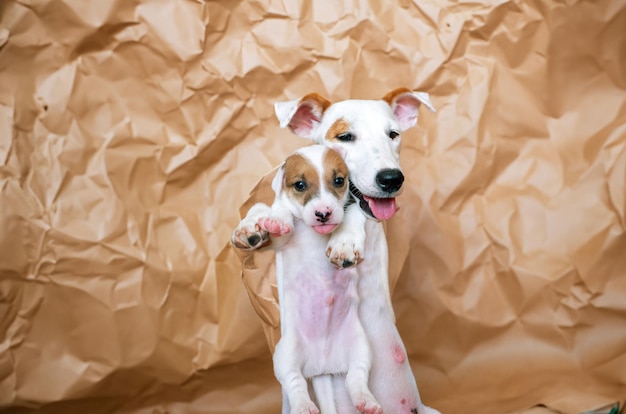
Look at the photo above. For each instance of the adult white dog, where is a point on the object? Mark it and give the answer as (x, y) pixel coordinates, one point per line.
(367, 133)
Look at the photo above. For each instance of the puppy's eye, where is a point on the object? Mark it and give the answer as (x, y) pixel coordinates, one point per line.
(393, 133)
(339, 182)
(345, 137)
(300, 186)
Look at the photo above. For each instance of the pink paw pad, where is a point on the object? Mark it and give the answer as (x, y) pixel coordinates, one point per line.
(313, 410)
(364, 408)
(274, 226)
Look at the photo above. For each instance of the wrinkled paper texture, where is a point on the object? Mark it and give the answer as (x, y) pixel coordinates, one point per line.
(131, 133)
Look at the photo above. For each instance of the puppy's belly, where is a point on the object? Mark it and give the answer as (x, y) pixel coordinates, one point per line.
(324, 318)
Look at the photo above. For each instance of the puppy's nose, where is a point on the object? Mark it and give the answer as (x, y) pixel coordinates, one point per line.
(323, 216)
(389, 180)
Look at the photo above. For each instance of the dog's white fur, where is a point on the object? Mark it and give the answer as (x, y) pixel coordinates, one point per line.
(321, 334)
(373, 147)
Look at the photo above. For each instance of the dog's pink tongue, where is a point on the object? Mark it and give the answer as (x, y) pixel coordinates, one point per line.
(382, 208)
(324, 228)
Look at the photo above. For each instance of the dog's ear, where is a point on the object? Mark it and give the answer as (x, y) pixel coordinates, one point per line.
(405, 103)
(303, 115)
(277, 181)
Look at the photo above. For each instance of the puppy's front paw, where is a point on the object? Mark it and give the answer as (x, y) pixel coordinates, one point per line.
(345, 251)
(274, 226)
(248, 236)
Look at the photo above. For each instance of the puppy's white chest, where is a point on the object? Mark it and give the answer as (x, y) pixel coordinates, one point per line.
(325, 303)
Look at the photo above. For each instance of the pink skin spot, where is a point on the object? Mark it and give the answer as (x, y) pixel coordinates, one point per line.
(403, 401)
(398, 354)
(330, 300)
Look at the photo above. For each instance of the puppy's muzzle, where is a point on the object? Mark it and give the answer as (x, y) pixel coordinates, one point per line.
(390, 180)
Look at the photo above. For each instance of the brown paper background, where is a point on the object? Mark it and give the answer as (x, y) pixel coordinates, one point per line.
(132, 131)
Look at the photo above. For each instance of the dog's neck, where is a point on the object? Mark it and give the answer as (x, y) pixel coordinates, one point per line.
(357, 197)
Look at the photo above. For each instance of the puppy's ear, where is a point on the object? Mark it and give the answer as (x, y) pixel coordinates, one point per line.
(303, 115)
(405, 103)
(277, 182)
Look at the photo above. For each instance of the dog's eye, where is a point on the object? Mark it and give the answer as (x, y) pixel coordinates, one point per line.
(393, 133)
(300, 186)
(339, 182)
(345, 137)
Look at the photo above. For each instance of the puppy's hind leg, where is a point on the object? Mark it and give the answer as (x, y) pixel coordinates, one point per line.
(297, 394)
(356, 384)
(292, 381)
(323, 387)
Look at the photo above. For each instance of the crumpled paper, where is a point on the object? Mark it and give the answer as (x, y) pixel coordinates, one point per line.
(132, 132)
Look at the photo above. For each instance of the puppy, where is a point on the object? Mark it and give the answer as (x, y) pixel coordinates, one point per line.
(321, 333)
(368, 133)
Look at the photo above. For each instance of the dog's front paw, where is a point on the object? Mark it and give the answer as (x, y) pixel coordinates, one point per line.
(344, 251)
(248, 236)
(274, 226)
(305, 408)
(369, 407)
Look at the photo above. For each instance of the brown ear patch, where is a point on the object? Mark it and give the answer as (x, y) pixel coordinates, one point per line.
(340, 126)
(391, 96)
(300, 172)
(317, 100)
(335, 168)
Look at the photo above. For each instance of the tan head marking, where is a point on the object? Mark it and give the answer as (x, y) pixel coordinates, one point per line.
(340, 126)
(301, 179)
(335, 173)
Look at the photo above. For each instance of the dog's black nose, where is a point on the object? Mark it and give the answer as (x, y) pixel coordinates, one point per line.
(390, 180)
(322, 217)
